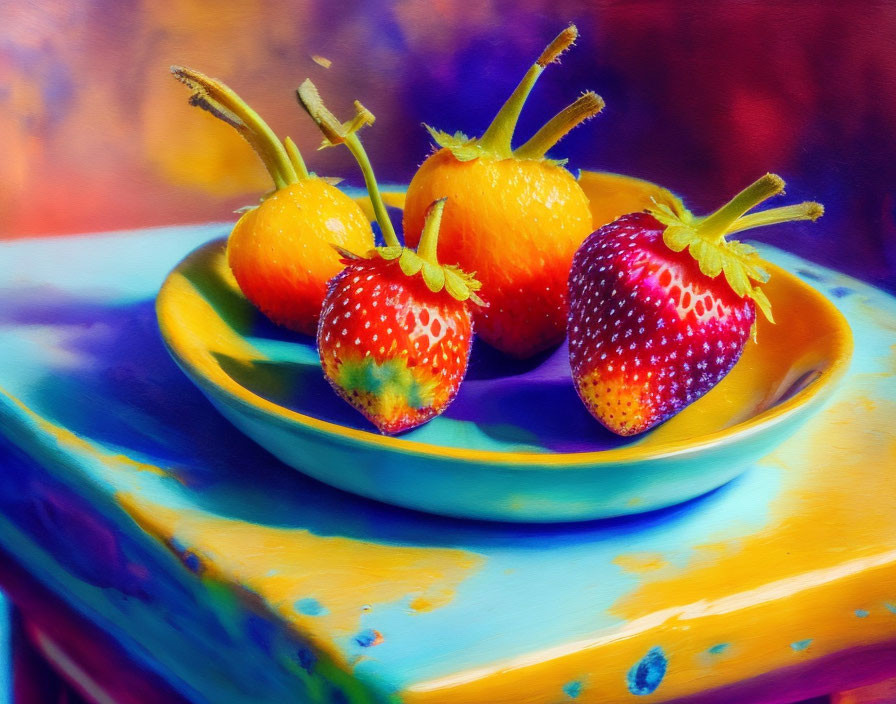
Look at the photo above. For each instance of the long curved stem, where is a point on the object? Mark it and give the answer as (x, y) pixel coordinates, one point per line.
(373, 190)
(337, 132)
(584, 108)
(809, 210)
(222, 102)
(497, 138)
(429, 238)
(295, 158)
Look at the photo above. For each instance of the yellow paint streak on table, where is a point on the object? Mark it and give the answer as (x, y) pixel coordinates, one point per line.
(829, 546)
(283, 565)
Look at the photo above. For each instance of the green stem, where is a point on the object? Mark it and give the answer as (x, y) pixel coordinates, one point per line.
(586, 107)
(429, 238)
(338, 133)
(497, 138)
(295, 158)
(788, 213)
(379, 207)
(714, 227)
(222, 102)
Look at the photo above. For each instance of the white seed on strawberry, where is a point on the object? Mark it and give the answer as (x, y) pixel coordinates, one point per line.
(652, 325)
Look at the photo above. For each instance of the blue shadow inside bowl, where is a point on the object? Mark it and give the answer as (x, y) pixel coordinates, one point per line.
(504, 403)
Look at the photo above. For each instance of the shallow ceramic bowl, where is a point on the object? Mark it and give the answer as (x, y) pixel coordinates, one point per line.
(517, 444)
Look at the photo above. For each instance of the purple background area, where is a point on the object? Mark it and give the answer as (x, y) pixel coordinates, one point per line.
(701, 97)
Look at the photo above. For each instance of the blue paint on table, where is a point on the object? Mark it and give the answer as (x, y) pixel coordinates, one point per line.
(801, 645)
(572, 689)
(310, 607)
(646, 675)
(306, 658)
(719, 648)
(366, 638)
(841, 291)
(861, 613)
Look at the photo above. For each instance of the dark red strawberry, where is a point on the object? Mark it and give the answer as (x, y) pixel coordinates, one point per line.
(396, 328)
(652, 325)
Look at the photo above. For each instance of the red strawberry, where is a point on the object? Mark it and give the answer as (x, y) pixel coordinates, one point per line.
(395, 332)
(653, 327)
(396, 329)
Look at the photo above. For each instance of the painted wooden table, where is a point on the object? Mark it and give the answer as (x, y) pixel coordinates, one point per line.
(236, 579)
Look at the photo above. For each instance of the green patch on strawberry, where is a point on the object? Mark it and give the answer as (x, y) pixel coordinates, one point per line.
(385, 390)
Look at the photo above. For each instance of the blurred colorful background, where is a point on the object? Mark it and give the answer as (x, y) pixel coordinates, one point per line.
(701, 97)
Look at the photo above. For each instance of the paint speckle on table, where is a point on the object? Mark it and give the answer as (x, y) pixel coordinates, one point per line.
(718, 648)
(192, 561)
(432, 600)
(646, 675)
(861, 613)
(801, 644)
(368, 638)
(337, 696)
(807, 274)
(840, 291)
(310, 607)
(307, 658)
(891, 608)
(432, 573)
(640, 561)
(572, 689)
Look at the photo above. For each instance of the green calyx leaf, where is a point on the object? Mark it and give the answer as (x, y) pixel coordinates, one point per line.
(433, 276)
(466, 148)
(437, 277)
(739, 262)
(705, 240)
(390, 253)
(463, 147)
(410, 262)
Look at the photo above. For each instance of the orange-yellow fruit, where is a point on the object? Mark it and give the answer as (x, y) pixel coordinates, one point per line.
(516, 223)
(281, 253)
